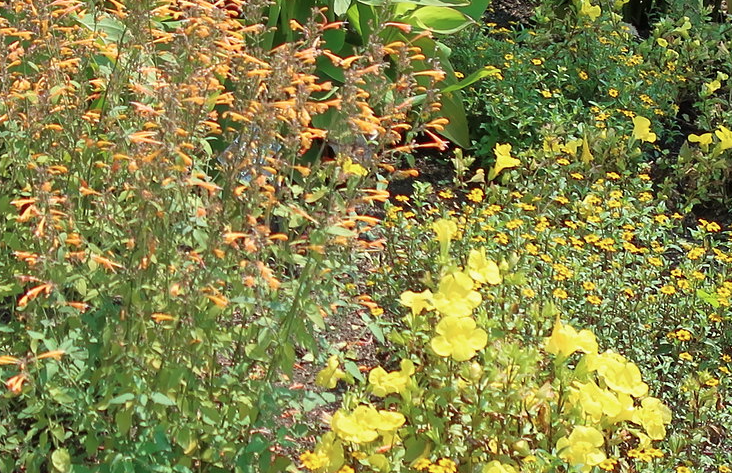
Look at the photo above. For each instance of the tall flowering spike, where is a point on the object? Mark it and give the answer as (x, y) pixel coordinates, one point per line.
(565, 340)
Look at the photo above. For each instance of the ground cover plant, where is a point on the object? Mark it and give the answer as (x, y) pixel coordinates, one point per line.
(198, 237)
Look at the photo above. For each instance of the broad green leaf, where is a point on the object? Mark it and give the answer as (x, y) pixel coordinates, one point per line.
(443, 20)
(61, 460)
(457, 130)
(340, 7)
(122, 398)
(162, 399)
(123, 419)
(475, 8)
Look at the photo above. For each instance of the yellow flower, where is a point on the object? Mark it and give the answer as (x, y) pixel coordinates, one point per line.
(365, 423)
(565, 340)
(725, 137)
(704, 140)
(445, 230)
(456, 297)
(582, 447)
(458, 337)
(653, 416)
(642, 129)
(596, 401)
(417, 301)
(613, 92)
(328, 377)
(383, 383)
(619, 374)
(422, 464)
(583, 75)
(313, 461)
(590, 11)
(481, 269)
(497, 467)
(686, 356)
(349, 167)
(503, 159)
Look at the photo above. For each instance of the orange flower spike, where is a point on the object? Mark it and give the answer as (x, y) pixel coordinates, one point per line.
(9, 360)
(106, 263)
(33, 293)
(55, 354)
(15, 384)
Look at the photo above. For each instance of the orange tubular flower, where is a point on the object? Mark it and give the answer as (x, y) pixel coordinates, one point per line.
(33, 293)
(15, 384)
(106, 263)
(9, 360)
(55, 354)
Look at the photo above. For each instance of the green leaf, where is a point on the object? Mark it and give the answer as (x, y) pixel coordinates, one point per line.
(340, 7)
(162, 399)
(471, 79)
(475, 8)
(443, 20)
(61, 460)
(340, 231)
(457, 130)
(122, 398)
(708, 298)
(123, 419)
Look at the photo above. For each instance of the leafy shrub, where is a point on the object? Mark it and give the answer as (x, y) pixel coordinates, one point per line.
(159, 282)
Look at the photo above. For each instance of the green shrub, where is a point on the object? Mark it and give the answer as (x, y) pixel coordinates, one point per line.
(157, 291)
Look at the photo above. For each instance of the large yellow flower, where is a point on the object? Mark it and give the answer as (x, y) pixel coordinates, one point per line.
(619, 374)
(383, 383)
(481, 269)
(642, 129)
(582, 447)
(565, 340)
(456, 297)
(503, 159)
(417, 301)
(653, 416)
(365, 423)
(725, 137)
(458, 337)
